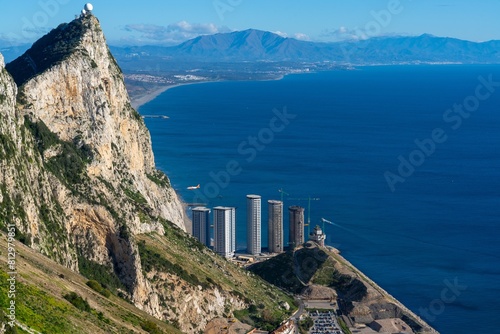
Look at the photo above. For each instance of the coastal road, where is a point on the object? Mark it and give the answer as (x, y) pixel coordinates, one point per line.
(296, 316)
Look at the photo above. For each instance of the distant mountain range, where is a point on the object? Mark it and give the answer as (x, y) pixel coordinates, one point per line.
(255, 45)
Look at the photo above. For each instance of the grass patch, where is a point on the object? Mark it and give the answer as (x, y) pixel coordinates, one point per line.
(282, 264)
(326, 275)
(243, 316)
(343, 326)
(151, 327)
(263, 319)
(150, 260)
(36, 309)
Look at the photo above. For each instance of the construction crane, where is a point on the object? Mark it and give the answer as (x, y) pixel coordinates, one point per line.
(283, 193)
(309, 199)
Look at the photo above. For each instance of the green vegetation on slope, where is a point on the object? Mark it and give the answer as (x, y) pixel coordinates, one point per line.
(7, 147)
(159, 178)
(10, 208)
(200, 266)
(97, 287)
(37, 309)
(99, 273)
(68, 165)
(305, 325)
(40, 287)
(51, 49)
(310, 265)
(78, 302)
(279, 271)
(343, 326)
(294, 268)
(258, 317)
(151, 260)
(348, 287)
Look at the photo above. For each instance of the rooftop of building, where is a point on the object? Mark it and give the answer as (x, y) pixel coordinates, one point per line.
(201, 208)
(254, 196)
(224, 208)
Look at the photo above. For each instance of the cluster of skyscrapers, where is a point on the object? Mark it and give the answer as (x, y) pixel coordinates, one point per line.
(224, 225)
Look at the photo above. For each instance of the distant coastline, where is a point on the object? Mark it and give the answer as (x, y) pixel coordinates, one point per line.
(138, 101)
(141, 100)
(151, 94)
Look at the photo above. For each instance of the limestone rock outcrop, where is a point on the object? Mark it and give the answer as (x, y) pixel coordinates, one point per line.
(78, 174)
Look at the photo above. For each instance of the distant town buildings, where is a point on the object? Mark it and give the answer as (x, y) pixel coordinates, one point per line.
(254, 222)
(201, 225)
(296, 234)
(275, 226)
(225, 231)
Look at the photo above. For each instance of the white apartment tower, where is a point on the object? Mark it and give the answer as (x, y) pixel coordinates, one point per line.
(225, 231)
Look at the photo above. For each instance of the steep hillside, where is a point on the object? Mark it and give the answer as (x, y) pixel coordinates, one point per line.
(358, 297)
(202, 286)
(40, 306)
(79, 183)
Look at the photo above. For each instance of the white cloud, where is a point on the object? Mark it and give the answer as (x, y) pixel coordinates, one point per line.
(302, 37)
(341, 34)
(280, 33)
(174, 33)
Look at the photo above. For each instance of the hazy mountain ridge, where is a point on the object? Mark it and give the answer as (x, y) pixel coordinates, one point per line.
(256, 45)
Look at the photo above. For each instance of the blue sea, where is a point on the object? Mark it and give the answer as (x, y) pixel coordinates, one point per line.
(405, 160)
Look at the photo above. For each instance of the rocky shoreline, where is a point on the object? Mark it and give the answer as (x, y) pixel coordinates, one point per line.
(321, 275)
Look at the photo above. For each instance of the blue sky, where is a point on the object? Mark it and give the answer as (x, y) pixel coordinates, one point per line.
(173, 21)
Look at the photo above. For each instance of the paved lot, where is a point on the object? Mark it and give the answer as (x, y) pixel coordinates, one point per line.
(319, 304)
(325, 323)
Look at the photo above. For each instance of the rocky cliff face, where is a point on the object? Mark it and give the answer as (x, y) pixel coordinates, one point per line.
(82, 98)
(78, 173)
(78, 180)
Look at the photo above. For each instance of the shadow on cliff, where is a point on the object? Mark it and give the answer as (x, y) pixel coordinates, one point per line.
(295, 270)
